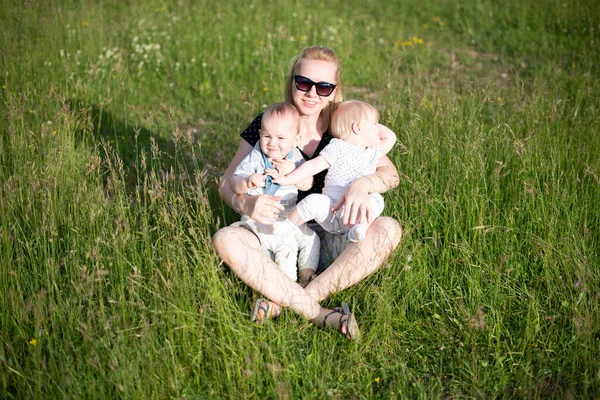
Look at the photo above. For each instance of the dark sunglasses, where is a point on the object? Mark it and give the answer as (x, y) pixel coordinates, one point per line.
(304, 84)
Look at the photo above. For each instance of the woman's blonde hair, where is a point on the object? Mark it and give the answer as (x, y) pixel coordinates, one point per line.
(349, 112)
(316, 53)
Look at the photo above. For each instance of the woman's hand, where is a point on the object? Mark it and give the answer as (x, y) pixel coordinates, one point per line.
(356, 195)
(356, 202)
(264, 208)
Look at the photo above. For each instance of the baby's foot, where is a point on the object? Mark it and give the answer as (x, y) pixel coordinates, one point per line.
(357, 233)
(306, 276)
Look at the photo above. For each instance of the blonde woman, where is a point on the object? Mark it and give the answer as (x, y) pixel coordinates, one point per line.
(315, 89)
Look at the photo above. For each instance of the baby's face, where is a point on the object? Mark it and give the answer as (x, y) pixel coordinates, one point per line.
(369, 131)
(278, 136)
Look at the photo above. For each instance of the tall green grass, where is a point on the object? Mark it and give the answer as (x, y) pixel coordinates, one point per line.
(118, 119)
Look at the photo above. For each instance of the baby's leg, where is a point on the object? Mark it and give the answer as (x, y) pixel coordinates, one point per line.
(314, 206)
(359, 230)
(282, 251)
(309, 246)
(286, 252)
(318, 207)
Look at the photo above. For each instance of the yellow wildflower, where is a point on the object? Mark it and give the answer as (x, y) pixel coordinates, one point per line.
(33, 342)
(377, 380)
(84, 23)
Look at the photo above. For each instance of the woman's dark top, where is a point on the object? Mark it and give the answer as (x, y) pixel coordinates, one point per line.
(251, 135)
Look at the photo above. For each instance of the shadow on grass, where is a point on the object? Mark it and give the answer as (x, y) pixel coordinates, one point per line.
(130, 140)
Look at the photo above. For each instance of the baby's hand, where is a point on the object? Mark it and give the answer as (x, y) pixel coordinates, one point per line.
(273, 173)
(255, 180)
(283, 166)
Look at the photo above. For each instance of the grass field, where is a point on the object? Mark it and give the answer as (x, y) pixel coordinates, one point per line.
(117, 119)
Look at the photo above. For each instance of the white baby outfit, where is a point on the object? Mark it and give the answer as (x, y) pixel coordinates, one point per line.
(289, 250)
(347, 163)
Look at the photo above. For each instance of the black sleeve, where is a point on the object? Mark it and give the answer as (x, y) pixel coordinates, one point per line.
(250, 134)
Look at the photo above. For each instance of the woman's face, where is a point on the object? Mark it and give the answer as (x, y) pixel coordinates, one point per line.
(310, 103)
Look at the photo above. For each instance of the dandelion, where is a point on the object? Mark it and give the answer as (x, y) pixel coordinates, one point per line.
(84, 23)
(3, 86)
(425, 26)
(33, 342)
(53, 133)
(265, 89)
(427, 104)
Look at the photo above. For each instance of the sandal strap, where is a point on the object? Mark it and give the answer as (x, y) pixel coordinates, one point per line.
(266, 308)
(336, 310)
(343, 310)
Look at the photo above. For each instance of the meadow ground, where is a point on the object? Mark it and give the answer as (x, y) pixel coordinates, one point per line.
(119, 117)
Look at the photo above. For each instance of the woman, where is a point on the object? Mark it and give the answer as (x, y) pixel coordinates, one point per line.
(314, 87)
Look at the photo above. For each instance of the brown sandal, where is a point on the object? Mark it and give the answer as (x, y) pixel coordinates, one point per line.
(268, 308)
(344, 319)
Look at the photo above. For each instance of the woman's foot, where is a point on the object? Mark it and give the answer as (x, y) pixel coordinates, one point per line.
(265, 309)
(341, 319)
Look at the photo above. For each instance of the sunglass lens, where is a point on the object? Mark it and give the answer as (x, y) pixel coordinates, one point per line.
(324, 89)
(303, 84)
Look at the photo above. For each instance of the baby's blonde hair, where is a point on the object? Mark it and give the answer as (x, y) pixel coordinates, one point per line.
(347, 113)
(281, 110)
